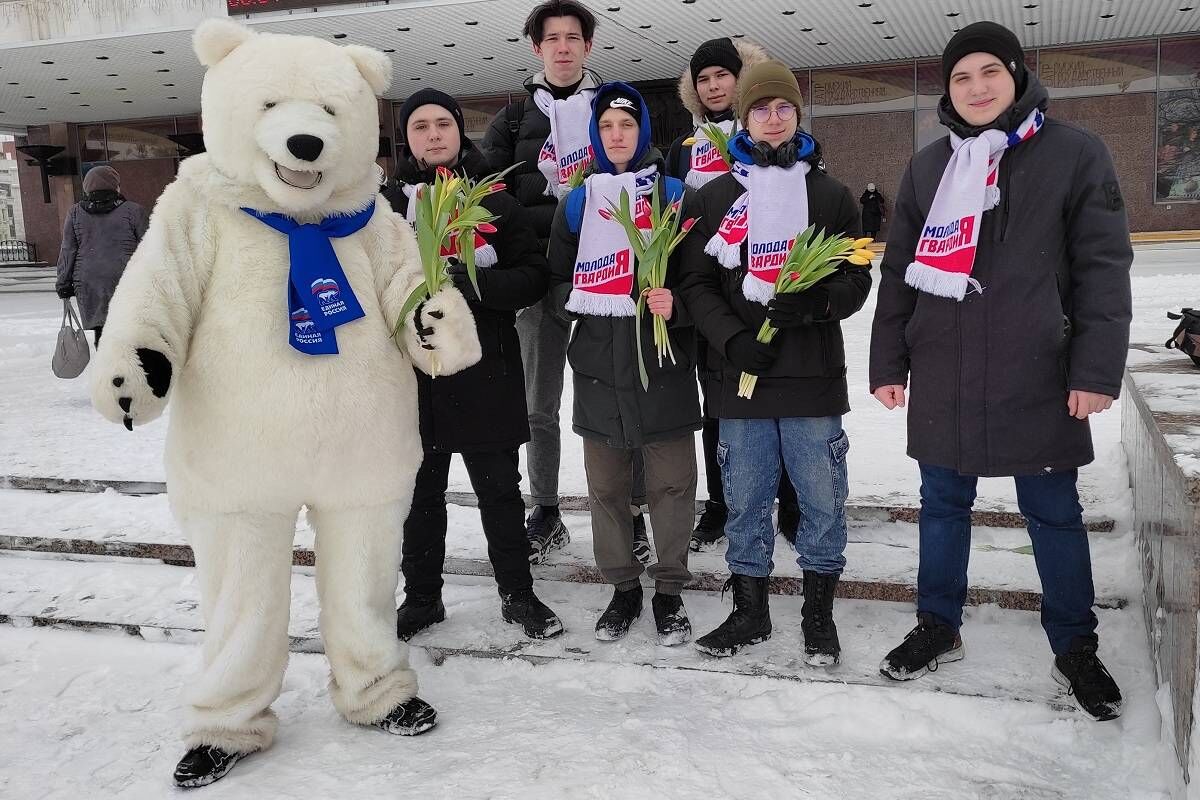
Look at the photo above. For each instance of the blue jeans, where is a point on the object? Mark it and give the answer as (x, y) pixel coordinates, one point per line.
(1050, 505)
(751, 452)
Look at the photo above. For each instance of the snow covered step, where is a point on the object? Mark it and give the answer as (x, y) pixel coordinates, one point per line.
(98, 716)
(871, 509)
(881, 556)
(1007, 653)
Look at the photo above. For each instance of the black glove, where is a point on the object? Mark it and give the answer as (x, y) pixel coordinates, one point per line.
(65, 291)
(457, 271)
(791, 310)
(750, 355)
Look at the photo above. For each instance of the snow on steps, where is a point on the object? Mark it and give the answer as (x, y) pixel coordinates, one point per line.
(1008, 657)
(881, 557)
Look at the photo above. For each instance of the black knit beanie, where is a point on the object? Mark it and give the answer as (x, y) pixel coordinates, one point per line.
(716, 53)
(431, 97)
(986, 37)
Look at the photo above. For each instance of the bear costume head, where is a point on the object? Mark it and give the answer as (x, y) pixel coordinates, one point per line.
(292, 122)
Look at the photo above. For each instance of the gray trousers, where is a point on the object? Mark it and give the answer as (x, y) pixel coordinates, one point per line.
(544, 338)
(671, 476)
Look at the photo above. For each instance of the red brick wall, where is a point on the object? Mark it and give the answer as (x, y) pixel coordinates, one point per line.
(44, 221)
(867, 148)
(1126, 123)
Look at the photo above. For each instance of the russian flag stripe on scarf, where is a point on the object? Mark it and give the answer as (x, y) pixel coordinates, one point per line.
(945, 254)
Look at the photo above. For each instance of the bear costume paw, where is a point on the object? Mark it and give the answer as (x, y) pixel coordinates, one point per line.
(130, 384)
(442, 338)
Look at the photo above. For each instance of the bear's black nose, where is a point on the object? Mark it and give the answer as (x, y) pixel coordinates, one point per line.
(305, 147)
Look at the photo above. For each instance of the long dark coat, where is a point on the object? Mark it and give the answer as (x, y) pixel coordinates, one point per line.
(989, 376)
(98, 238)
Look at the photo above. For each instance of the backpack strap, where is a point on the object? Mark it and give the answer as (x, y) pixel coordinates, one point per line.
(515, 114)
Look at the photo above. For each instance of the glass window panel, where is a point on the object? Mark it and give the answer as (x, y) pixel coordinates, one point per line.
(1179, 66)
(137, 141)
(929, 83)
(928, 128)
(862, 90)
(1109, 69)
(91, 143)
(478, 113)
(1177, 159)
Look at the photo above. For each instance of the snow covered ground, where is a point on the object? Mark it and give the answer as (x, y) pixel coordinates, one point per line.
(95, 714)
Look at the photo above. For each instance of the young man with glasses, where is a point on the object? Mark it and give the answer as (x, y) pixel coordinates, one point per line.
(748, 218)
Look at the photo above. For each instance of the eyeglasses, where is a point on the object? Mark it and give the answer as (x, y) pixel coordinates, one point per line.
(784, 111)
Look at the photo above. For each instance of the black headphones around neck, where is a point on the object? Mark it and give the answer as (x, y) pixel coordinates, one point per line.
(764, 155)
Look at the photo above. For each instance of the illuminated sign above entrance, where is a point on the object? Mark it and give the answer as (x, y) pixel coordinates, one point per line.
(237, 7)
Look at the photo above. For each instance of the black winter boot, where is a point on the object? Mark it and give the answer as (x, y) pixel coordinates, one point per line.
(418, 612)
(710, 530)
(623, 610)
(748, 623)
(203, 765)
(1084, 676)
(671, 619)
(411, 718)
(525, 609)
(821, 645)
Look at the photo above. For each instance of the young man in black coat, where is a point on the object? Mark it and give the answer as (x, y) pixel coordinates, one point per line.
(522, 133)
(1005, 300)
(479, 412)
(748, 218)
(708, 89)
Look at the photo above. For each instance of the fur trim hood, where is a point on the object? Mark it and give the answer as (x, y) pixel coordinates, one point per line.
(749, 52)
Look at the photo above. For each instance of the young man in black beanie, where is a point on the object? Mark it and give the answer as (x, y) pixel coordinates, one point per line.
(1005, 299)
(480, 412)
(708, 89)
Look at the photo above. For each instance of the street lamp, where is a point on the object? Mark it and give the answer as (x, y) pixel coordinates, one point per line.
(39, 156)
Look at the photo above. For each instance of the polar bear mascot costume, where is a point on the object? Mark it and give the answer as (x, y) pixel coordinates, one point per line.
(261, 303)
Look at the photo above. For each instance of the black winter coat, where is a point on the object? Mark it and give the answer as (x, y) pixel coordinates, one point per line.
(990, 375)
(610, 404)
(808, 379)
(872, 210)
(483, 407)
(503, 148)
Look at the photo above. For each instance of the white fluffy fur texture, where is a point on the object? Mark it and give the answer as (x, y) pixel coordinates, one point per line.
(258, 430)
(454, 339)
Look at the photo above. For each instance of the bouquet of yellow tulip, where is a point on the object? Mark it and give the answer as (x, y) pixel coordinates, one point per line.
(814, 256)
(449, 212)
(653, 238)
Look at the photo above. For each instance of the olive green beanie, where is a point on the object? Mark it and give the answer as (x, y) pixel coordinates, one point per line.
(765, 81)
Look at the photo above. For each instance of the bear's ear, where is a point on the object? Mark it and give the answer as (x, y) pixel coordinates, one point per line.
(373, 64)
(216, 38)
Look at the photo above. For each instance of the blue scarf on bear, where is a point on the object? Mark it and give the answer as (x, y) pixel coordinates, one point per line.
(319, 295)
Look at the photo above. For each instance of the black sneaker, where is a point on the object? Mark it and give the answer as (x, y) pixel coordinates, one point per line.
(417, 613)
(821, 645)
(203, 765)
(546, 533)
(411, 718)
(641, 541)
(926, 647)
(623, 610)
(1084, 677)
(789, 520)
(525, 609)
(748, 623)
(710, 530)
(671, 619)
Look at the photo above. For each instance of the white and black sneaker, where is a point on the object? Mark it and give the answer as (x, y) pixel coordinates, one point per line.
(1085, 678)
(641, 540)
(546, 533)
(411, 718)
(923, 650)
(203, 765)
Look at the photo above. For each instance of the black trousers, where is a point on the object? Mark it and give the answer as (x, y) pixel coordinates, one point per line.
(96, 331)
(497, 483)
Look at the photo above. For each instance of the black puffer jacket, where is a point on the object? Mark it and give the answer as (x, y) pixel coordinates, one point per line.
(808, 379)
(610, 404)
(503, 147)
(990, 375)
(483, 407)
